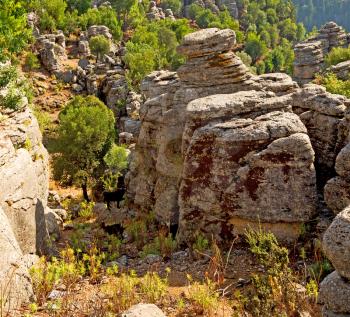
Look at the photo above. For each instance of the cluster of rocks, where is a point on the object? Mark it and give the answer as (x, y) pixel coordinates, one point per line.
(210, 162)
(310, 54)
(52, 50)
(24, 215)
(157, 13)
(335, 288)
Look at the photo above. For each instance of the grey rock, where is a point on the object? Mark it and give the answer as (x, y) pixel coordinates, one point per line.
(336, 243)
(143, 310)
(335, 293)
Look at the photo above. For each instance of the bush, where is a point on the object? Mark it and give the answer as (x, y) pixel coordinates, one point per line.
(337, 55)
(32, 62)
(99, 46)
(334, 85)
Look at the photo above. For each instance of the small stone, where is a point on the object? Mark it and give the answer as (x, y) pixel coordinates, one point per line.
(143, 310)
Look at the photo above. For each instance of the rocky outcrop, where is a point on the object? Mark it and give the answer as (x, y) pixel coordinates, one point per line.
(23, 201)
(52, 50)
(324, 115)
(154, 12)
(341, 70)
(310, 54)
(335, 288)
(212, 138)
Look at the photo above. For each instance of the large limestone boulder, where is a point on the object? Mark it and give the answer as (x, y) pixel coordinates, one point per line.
(15, 282)
(242, 168)
(336, 243)
(24, 179)
(335, 293)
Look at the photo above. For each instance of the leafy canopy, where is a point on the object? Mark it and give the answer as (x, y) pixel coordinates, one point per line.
(85, 134)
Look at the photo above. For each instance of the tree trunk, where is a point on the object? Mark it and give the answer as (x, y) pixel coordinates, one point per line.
(85, 192)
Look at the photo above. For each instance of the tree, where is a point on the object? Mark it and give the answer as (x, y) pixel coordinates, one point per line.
(81, 5)
(51, 13)
(255, 47)
(99, 46)
(14, 32)
(85, 134)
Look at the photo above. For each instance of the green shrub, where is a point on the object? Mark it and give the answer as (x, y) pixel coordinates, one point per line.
(99, 46)
(334, 85)
(32, 62)
(7, 74)
(86, 210)
(337, 55)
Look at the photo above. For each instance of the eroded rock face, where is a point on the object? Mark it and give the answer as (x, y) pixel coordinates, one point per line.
(189, 138)
(24, 179)
(310, 54)
(15, 281)
(324, 116)
(335, 288)
(335, 293)
(23, 202)
(245, 171)
(52, 50)
(336, 243)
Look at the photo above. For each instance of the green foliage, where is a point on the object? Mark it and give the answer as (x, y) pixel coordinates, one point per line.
(14, 32)
(44, 120)
(32, 62)
(201, 244)
(101, 16)
(117, 158)
(204, 295)
(337, 55)
(81, 5)
(255, 47)
(174, 5)
(86, 210)
(15, 89)
(205, 18)
(99, 46)
(153, 46)
(317, 12)
(163, 245)
(273, 293)
(334, 85)
(82, 140)
(51, 14)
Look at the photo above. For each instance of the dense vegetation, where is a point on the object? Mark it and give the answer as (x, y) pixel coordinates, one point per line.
(317, 12)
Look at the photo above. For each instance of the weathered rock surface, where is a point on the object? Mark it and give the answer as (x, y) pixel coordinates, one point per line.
(324, 117)
(335, 293)
(190, 135)
(52, 50)
(24, 179)
(23, 202)
(15, 281)
(310, 54)
(341, 70)
(336, 243)
(246, 171)
(144, 310)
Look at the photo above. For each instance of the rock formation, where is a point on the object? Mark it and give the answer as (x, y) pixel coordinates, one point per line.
(23, 201)
(52, 50)
(310, 54)
(214, 142)
(335, 288)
